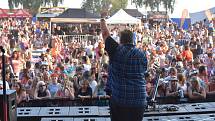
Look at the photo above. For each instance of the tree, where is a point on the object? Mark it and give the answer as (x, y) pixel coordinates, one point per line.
(96, 6)
(32, 5)
(169, 5)
(152, 4)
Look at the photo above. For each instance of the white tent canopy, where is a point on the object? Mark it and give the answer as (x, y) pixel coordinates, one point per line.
(121, 17)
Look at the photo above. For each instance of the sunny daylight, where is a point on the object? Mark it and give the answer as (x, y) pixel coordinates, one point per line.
(107, 60)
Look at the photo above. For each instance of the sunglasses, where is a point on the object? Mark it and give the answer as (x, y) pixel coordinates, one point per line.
(42, 85)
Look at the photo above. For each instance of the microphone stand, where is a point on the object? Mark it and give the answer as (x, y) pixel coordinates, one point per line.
(4, 86)
(153, 101)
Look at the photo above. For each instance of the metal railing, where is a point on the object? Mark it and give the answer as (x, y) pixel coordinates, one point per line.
(76, 38)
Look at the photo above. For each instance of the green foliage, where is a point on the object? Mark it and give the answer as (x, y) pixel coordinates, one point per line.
(32, 5)
(97, 6)
(155, 4)
(169, 5)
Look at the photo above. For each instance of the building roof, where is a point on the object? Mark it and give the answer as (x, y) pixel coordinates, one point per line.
(46, 15)
(77, 13)
(134, 12)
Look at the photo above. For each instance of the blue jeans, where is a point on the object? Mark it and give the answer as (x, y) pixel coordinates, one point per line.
(119, 113)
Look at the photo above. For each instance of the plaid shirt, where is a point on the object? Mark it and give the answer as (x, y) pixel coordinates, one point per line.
(126, 74)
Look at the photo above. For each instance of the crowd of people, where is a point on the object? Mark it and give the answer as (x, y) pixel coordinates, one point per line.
(184, 61)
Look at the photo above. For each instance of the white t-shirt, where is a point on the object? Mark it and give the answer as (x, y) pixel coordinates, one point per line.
(1, 85)
(93, 85)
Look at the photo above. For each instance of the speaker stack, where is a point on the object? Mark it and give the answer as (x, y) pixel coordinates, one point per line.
(11, 105)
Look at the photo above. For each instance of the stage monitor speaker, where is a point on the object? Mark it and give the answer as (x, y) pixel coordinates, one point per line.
(11, 105)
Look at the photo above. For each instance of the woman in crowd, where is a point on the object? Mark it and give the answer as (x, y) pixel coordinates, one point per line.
(92, 82)
(182, 83)
(25, 77)
(86, 63)
(66, 91)
(85, 92)
(41, 91)
(30, 91)
(100, 91)
(195, 90)
(173, 87)
(20, 93)
(16, 63)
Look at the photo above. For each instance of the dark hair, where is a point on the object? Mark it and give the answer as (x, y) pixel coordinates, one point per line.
(84, 58)
(147, 74)
(210, 54)
(186, 47)
(67, 60)
(126, 37)
(28, 63)
(202, 69)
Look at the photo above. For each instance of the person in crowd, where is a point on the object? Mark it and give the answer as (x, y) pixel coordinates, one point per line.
(195, 90)
(211, 87)
(25, 77)
(203, 74)
(31, 90)
(41, 91)
(1, 85)
(16, 63)
(210, 63)
(67, 90)
(149, 83)
(20, 93)
(173, 87)
(100, 88)
(126, 83)
(54, 86)
(187, 54)
(162, 86)
(86, 63)
(172, 73)
(182, 83)
(85, 91)
(8, 78)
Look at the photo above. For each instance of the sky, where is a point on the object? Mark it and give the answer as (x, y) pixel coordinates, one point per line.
(180, 5)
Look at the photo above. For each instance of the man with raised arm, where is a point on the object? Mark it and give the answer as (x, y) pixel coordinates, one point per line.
(126, 76)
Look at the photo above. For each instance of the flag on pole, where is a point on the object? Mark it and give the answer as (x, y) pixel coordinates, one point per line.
(183, 17)
(209, 15)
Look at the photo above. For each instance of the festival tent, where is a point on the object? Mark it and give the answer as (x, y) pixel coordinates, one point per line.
(200, 16)
(20, 13)
(121, 17)
(135, 13)
(73, 15)
(3, 14)
(14, 13)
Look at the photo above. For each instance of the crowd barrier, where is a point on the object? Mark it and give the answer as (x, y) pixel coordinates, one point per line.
(182, 42)
(102, 101)
(185, 112)
(76, 38)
